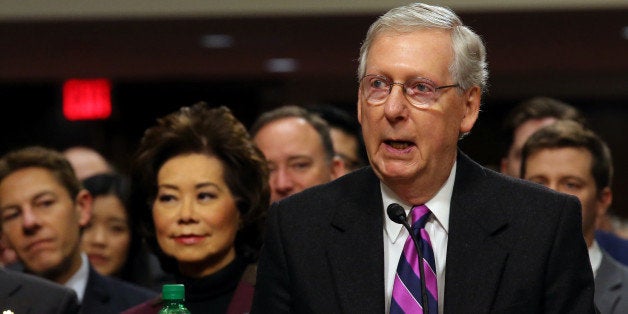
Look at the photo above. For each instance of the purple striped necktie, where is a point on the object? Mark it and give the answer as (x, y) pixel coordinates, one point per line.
(407, 293)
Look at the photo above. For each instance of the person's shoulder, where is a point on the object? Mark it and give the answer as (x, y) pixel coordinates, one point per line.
(120, 294)
(473, 179)
(151, 306)
(126, 287)
(32, 281)
(26, 289)
(612, 279)
(620, 271)
(325, 196)
(348, 185)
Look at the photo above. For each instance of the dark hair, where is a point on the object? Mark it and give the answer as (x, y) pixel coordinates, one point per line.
(42, 157)
(118, 185)
(318, 123)
(537, 108)
(562, 134)
(213, 132)
(341, 119)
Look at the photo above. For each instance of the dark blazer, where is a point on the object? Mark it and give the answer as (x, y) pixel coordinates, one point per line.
(514, 247)
(23, 293)
(611, 286)
(109, 295)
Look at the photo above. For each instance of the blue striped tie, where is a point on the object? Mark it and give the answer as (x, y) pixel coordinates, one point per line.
(407, 294)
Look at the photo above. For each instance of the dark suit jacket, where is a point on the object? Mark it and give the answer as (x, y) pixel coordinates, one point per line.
(611, 286)
(514, 247)
(23, 293)
(109, 295)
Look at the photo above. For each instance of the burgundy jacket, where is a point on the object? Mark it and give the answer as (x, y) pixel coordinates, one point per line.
(240, 303)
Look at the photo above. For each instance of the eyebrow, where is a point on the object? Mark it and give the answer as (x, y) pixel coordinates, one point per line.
(292, 158)
(38, 195)
(196, 186)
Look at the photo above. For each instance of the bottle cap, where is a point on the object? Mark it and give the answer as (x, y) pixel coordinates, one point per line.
(173, 292)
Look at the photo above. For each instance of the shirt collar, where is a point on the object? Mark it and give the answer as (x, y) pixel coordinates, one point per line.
(78, 281)
(595, 257)
(439, 205)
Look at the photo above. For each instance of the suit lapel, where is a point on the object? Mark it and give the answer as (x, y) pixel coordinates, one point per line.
(476, 224)
(608, 283)
(355, 252)
(11, 298)
(7, 286)
(96, 291)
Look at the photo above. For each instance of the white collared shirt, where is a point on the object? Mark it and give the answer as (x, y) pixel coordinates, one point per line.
(595, 257)
(437, 227)
(78, 281)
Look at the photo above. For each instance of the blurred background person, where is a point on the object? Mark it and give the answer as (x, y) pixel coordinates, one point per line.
(142, 267)
(207, 187)
(44, 209)
(527, 117)
(346, 136)
(87, 161)
(113, 246)
(298, 149)
(568, 158)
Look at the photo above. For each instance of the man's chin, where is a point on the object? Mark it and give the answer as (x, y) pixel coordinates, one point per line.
(44, 267)
(392, 173)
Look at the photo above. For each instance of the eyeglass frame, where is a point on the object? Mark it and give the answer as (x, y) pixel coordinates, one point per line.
(392, 83)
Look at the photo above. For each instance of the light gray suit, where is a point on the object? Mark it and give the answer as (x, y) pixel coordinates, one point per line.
(611, 286)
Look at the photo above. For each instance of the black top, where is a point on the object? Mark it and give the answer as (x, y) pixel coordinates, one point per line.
(212, 293)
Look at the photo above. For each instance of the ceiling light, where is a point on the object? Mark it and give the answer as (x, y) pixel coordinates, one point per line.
(216, 41)
(281, 65)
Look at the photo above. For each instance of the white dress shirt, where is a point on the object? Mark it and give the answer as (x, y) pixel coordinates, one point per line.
(437, 227)
(78, 281)
(595, 257)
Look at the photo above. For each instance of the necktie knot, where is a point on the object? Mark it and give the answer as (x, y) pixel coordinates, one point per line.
(419, 214)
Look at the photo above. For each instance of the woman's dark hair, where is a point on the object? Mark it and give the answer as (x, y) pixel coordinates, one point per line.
(118, 185)
(212, 132)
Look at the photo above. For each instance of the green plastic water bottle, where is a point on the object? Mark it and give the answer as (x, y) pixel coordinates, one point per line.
(173, 296)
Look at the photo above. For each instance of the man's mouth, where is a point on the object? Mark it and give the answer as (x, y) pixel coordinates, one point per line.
(398, 144)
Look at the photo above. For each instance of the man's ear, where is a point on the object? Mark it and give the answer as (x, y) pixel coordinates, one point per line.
(472, 98)
(84, 202)
(337, 167)
(604, 200)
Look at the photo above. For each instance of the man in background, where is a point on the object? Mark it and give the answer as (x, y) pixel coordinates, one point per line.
(87, 161)
(42, 210)
(346, 136)
(298, 149)
(568, 158)
(528, 117)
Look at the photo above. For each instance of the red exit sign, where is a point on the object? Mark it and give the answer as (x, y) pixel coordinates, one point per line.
(86, 99)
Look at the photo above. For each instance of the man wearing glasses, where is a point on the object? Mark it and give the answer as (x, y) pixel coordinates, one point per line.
(483, 242)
